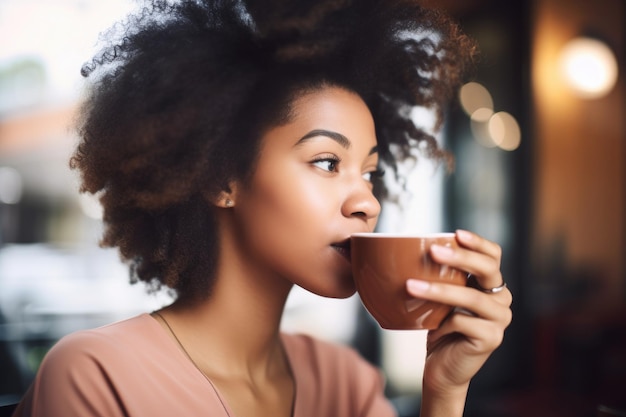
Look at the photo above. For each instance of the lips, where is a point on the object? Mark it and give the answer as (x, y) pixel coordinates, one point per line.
(343, 248)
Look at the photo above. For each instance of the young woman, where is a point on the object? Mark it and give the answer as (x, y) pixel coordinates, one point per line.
(235, 147)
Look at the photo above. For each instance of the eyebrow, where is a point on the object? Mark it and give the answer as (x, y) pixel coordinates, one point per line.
(336, 136)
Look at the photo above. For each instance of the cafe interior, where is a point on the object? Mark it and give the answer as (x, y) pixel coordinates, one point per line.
(539, 138)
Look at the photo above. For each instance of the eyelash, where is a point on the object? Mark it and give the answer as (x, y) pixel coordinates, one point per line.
(328, 158)
(373, 175)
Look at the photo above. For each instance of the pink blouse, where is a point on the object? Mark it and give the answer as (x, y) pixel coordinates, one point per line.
(133, 368)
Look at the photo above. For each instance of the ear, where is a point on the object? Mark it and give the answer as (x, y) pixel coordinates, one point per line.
(227, 198)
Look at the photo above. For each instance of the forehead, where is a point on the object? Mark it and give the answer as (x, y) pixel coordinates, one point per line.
(332, 107)
(336, 112)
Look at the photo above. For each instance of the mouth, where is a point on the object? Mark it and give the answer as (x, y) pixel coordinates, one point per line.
(343, 248)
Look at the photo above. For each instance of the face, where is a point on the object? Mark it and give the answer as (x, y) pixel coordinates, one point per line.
(310, 191)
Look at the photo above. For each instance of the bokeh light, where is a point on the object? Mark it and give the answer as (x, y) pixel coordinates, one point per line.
(474, 96)
(504, 131)
(489, 129)
(589, 67)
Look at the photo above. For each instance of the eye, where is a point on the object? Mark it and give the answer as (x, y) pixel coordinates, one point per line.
(374, 175)
(327, 163)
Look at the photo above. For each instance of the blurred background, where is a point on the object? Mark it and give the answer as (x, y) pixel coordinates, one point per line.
(539, 137)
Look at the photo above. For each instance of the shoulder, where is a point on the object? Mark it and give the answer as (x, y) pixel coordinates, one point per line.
(129, 368)
(98, 354)
(106, 342)
(87, 370)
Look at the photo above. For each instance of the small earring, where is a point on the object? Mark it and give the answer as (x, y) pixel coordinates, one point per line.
(228, 202)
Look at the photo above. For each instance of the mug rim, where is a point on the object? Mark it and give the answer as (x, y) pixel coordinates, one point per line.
(403, 235)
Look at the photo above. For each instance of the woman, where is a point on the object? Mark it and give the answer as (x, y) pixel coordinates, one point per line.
(235, 147)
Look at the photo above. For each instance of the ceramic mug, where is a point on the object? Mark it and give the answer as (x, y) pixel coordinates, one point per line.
(381, 265)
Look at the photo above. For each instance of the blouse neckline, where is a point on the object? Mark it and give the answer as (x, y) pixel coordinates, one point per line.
(287, 348)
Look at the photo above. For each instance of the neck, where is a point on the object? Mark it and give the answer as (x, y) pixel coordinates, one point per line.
(236, 331)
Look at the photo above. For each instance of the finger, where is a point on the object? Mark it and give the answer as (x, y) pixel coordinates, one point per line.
(482, 335)
(474, 282)
(484, 267)
(479, 244)
(488, 306)
(476, 255)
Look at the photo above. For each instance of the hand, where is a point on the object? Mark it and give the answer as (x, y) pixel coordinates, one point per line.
(464, 341)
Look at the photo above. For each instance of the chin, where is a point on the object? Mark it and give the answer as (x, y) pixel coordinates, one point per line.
(348, 287)
(338, 294)
(342, 294)
(344, 289)
(337, 283)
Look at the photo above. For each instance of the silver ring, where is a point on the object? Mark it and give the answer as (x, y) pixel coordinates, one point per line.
(494, 290)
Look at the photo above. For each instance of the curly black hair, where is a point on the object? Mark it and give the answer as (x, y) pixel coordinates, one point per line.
(184, 91)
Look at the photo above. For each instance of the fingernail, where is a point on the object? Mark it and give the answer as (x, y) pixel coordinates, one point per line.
(442, 251)
(464, 235)
(415, 285)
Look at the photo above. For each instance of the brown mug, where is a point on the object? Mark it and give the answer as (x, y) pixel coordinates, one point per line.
(381, 265)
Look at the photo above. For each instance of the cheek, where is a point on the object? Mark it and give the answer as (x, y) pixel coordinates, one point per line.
(276, 217)
(288, 231)
(287, 216)
(292, 198)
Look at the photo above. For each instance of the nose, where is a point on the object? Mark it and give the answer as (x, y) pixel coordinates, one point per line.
(361, 203)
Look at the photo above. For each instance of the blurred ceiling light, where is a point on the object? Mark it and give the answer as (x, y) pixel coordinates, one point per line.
(10, 185)
(497, 130)
(474, 96)
(505, 131)
(589, 67)
(489, 129)
(482, 115)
